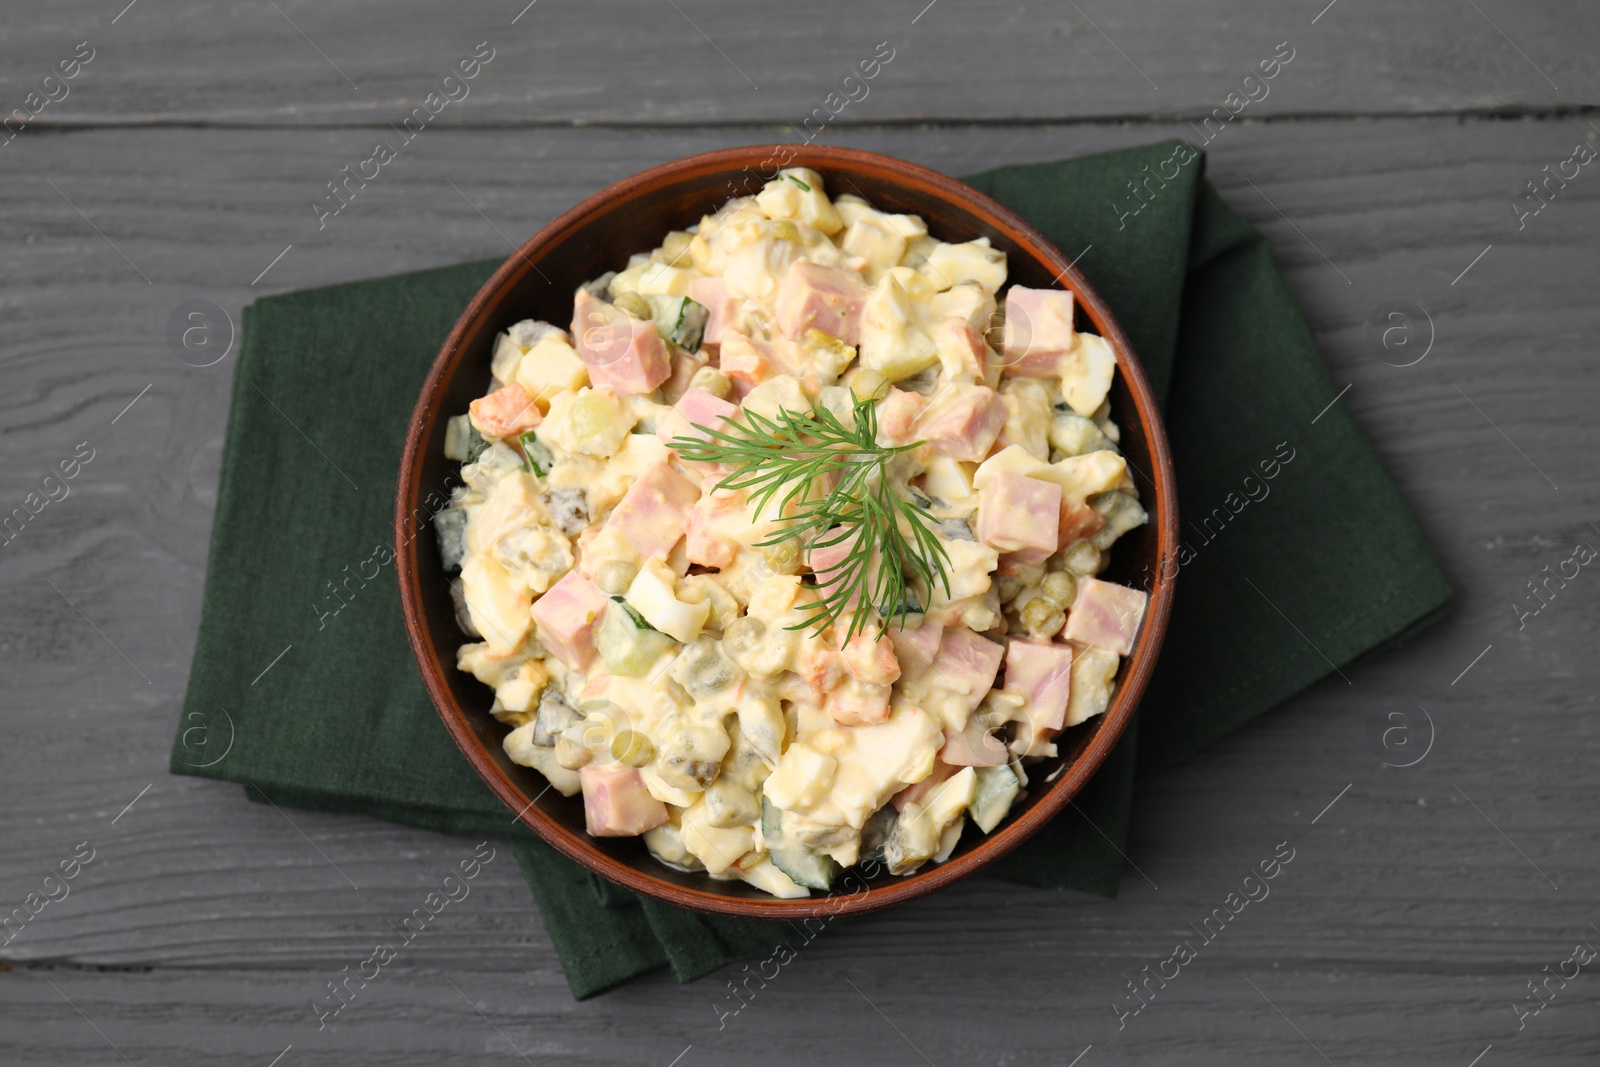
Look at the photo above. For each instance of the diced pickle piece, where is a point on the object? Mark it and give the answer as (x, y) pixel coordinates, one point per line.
(1074, 435)
(628, 645)
(554, 716)
(462, 441)
(806, 866)
(730, 804)
(875, 834)
(997, 788)
(1122, 513)
(458, 597)
(703, 670)
(450, 530)
(536, 453)
(680, 320)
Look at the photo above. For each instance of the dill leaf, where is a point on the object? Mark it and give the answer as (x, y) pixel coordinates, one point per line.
(836, 490)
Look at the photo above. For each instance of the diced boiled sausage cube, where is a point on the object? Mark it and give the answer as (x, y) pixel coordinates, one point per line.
(721, 306)
(1038, 331)
(963, 426)
(616, 802)
(919, 792)
(973, 746)
(700, 408)
(655, 511)
(967, 663)
(694, 408)
(567, 616)
(1078, 520)
(1019, 515)
(814, 297)
(1041, 674)
(1105, 615)
(916, 647)
(710, 540)
(825, 562)
(623, 354)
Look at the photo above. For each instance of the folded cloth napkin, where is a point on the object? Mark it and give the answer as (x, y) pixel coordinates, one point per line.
(1299, 553)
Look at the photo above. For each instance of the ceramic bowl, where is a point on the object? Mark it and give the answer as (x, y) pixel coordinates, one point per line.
(538, 282)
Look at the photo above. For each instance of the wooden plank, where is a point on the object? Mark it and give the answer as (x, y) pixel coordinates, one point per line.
(1020, 1009)
(371, 63)
(1401, 933)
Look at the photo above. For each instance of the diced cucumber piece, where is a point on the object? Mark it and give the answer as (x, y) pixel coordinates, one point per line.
(629, 645)
(807, 867)
(458, 598)
(680, 320)
(481, 474)
(997, 787)
(875, 834)
(554, 716)
(730, 804)
(450, 530)
(911, 843)
(601, 286)
(569, 509)
(638, 620)
(1074, 435)
(1122, 513)
(536, 454)
(949, 840)
(899, 613)
(703, 669)
(462, 441)
(956, 530)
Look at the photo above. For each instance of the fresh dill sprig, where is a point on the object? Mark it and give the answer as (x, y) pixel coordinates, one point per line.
(836, 490)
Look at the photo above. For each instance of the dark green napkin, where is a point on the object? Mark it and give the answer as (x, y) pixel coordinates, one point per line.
(1282, 578)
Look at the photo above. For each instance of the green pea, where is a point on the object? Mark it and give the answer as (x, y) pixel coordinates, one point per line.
(1060, 586)
(712, 381)
(633, 748)
(675, 249)
(1082, 559)
(634, 305)
(615, 575)
(1042, 618)
(783, 557)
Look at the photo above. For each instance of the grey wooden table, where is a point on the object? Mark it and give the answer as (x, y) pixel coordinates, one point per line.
(1388, 163)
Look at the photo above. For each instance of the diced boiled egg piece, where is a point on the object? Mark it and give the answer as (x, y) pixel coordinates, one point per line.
(1093, 670)
(802, 778)
(652, 595)
(715, 846)
(975, 261)
(892, 342)
(497, 601)
(661, 279)
(781, 391)
(590, 421)
(551, 366)
(1087, 373)
(797, 193)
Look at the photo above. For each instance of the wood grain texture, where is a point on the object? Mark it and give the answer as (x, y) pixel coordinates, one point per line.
(1402, 932)
(561, 63)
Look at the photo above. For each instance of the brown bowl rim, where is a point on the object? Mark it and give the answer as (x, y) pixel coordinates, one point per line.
(1138, 665)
